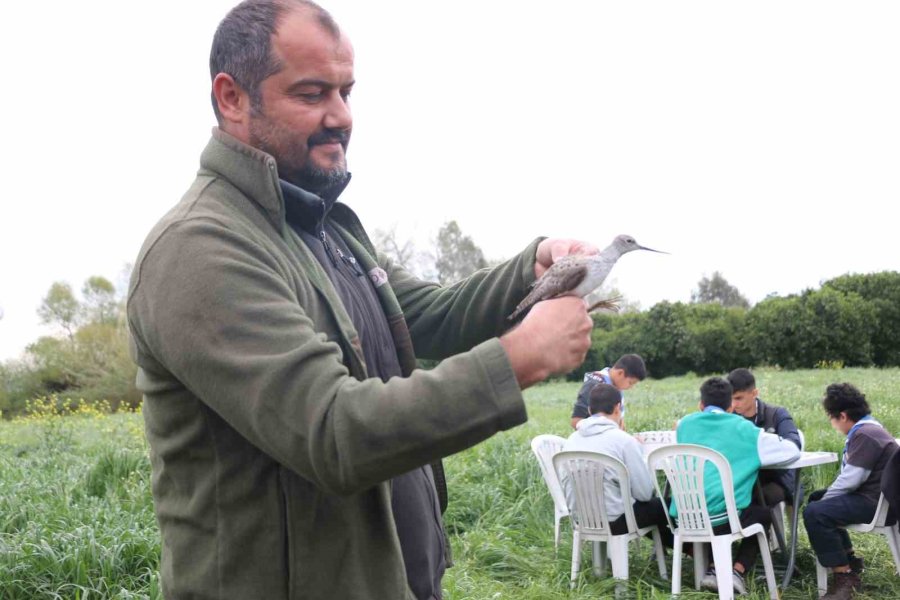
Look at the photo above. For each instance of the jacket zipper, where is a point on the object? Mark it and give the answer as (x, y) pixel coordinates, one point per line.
(348, 261)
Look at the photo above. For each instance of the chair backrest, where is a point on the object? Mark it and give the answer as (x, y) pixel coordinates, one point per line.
(544, 447)
(881, 511)
(585, 472)
(685, 468)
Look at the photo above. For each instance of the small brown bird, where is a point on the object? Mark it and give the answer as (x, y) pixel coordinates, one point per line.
(579, 275)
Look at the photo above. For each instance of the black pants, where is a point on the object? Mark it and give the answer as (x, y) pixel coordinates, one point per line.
(825, 519)
(647, 513)
(749, 548)
(773, 493)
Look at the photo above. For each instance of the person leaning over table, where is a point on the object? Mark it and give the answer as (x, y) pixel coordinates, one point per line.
(777, 484)
(291, 436)
(601, 432)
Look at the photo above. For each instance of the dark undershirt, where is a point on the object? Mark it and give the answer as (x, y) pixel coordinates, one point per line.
(414, 500)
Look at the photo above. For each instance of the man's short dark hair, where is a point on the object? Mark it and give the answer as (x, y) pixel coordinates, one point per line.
(845, 398)
(716, 391)
(242, 45)
(633, 366)
(742, 380)
(604, 398)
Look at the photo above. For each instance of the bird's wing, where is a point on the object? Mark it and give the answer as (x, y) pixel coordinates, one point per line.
(562, 277)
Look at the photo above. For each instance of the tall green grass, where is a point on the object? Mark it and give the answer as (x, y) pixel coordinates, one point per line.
(77, 522)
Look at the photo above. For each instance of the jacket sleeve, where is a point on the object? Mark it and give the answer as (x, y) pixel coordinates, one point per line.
(581, 409)
(775, 450)
(642, 487)
(785, 426)
(214, 317)
(446, 320)
(847, 481)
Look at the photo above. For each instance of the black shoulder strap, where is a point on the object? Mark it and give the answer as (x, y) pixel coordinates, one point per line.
(440, 483)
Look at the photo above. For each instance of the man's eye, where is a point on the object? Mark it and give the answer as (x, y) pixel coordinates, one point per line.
(310, 96)
(345, 94)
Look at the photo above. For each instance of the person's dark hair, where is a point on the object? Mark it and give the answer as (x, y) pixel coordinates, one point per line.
(242, 44)
(604, 398)
(716, 391)
(845, 398)
(633, 366)
(741, 380)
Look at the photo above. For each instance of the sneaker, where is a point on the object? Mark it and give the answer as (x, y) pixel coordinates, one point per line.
(709, 581)
(737, 580)
(856, 564)
(843, 586)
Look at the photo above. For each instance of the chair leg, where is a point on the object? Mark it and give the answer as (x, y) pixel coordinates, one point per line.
(721, 549)
(599, 558)
(768, 566)
(676, 565)
(778, 541)
(893, 537)
(700, 563)
(556, 533)
(821, 578)
(618, 555)
(576, 557)
(660, 553)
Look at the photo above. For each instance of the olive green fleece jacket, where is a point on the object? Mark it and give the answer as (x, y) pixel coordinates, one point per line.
(271, 449)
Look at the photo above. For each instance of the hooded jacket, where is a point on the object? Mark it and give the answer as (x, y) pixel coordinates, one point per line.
(600, 434)
(271, 447)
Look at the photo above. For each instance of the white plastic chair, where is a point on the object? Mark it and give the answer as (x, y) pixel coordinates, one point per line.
(877, 525)
(684, 465)
(544, 447)
(584, 472)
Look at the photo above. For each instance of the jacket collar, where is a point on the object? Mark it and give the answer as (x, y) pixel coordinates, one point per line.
(255, 174)
(309, 210)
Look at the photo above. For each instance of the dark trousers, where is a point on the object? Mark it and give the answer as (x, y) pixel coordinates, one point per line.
(772, 493)
(825, 519)
(647, 513)
(749, 548)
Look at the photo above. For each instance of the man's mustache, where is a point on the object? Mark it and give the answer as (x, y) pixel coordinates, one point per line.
(329, 136)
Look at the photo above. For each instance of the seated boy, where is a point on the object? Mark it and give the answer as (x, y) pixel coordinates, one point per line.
(746, 448)
(624, 375)
(776, 483)
(853, 496)
(600, 432)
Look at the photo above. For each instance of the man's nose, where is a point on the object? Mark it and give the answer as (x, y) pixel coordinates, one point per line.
(338, 115)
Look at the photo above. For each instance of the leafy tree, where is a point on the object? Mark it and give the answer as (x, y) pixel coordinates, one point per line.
(717, 289)
(100, 303)
(60, 307)
(403, 252)
(882, 291)
(457, 256)
(801, 331)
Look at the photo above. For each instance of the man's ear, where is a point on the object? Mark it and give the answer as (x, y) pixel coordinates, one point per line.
(234, 105)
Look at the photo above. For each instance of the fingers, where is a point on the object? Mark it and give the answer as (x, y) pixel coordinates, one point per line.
(553, 338)
(552, 249)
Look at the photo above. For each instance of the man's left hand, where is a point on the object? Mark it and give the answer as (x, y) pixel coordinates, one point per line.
(551, 250)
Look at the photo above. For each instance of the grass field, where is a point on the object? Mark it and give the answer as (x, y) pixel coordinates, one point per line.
(76, 515)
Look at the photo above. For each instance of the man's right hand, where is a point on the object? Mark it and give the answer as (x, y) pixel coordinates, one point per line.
(552, 339)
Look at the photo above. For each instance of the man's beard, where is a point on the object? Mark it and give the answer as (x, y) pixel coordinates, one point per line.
(287, 152)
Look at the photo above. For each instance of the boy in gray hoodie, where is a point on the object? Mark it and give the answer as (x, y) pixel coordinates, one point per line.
(600, 432)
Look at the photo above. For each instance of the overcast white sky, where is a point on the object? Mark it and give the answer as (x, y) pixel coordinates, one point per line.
(760, 139)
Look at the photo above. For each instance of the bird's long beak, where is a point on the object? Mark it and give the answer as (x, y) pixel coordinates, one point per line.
(652, 250)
